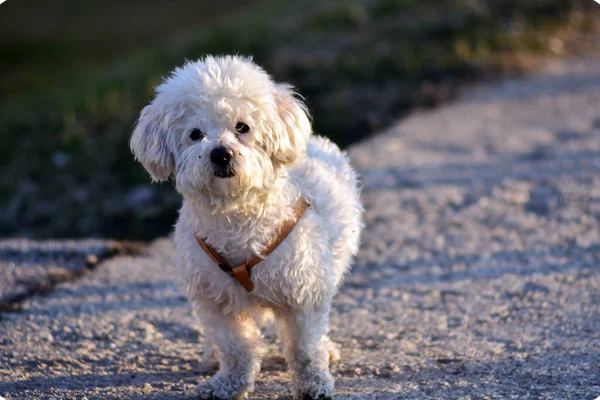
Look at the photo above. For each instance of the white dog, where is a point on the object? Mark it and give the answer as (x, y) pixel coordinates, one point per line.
(240, 149)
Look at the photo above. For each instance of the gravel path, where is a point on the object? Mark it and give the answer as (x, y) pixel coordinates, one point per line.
(28, 267)
(478, 277)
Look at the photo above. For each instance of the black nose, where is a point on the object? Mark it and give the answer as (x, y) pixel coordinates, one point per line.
(221, 156)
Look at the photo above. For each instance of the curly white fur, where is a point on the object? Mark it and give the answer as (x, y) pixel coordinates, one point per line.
(277, 162)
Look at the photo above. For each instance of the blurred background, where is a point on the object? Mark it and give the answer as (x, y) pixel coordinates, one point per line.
(74, 75)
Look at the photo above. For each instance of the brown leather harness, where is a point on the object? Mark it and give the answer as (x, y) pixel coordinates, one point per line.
(241, 272)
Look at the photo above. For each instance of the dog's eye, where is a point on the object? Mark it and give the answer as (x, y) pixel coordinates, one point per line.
(242, 128)
(196, 134)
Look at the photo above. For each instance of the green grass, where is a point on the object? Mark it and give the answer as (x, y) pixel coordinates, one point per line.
(65, 166)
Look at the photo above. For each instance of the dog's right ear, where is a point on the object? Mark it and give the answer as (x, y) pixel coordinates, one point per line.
(149, 143)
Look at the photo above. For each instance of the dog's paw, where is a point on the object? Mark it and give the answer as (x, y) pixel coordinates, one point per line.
(318, 387)
(321, 397)
(206, 391)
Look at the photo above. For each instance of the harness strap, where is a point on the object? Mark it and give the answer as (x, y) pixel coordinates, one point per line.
(242, 272)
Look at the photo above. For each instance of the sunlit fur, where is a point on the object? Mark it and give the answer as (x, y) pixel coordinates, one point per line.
(276, 163)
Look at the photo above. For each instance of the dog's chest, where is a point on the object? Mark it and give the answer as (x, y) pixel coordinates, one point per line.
(237, 240)
(298, 269)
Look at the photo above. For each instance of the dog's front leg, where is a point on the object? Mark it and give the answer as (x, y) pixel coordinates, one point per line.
(306, 351)
(240, 350)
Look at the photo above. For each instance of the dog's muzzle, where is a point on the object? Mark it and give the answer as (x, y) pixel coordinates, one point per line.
(222, 158)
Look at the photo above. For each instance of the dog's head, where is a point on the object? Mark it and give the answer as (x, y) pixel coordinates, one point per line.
(222, 127)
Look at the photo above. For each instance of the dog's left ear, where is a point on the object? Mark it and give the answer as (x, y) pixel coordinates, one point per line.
(295, 130)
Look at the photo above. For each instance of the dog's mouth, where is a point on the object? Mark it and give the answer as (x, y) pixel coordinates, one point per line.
(226, 172)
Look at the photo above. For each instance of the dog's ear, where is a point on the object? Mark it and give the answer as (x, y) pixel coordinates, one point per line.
(149, 143)
(291, 140)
